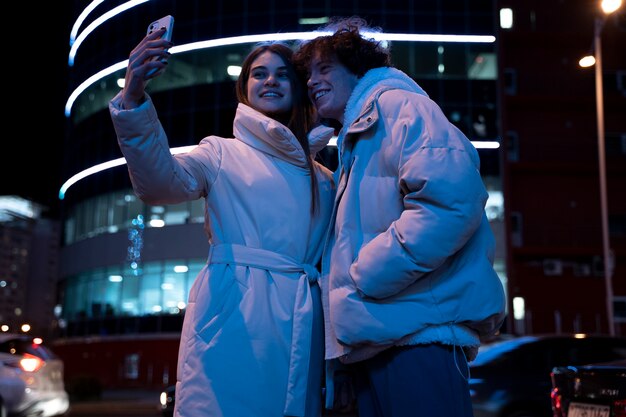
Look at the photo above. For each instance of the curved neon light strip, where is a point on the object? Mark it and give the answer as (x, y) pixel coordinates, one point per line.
(89, 81)
(111, 13)
(250, 39)
(235, 40)
(107, 165)
(485, 144)
(81, 18)
(181, 149)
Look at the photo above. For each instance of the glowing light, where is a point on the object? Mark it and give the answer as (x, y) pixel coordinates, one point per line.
(233, 70)
(156, 223)
(91, 80)
(11, 206)
(30, 363)
(290, 36)
(519, 308)
(609, 6)
(240, 40)
(183, 149)
(106, 165)
(506, 18)
(81, 18)
(87, 172)
(93, 25)
(313, 20)
(415, 37)
(485, 144)
(587, 61)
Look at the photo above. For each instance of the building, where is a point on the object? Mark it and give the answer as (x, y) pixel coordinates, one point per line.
(550, 172)
(29, 262)
(126, 267)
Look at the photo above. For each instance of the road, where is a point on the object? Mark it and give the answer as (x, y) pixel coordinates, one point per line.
(133, 403)
(119, 403)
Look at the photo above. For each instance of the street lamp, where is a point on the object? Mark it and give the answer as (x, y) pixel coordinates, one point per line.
(608, 7)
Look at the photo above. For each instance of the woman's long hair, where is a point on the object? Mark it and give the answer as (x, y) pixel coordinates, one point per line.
(302, 116)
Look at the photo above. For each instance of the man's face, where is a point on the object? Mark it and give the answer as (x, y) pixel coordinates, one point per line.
(330, 86)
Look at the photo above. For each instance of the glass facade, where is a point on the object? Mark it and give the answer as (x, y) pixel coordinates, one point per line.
(104, 300)
(100, 300)
(119, 210)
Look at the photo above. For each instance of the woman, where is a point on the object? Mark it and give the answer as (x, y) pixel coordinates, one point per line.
(252, 339)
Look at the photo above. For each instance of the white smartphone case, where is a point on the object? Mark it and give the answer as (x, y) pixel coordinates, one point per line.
(168, 23)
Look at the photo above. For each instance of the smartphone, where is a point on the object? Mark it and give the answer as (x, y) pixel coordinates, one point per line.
(168, 23)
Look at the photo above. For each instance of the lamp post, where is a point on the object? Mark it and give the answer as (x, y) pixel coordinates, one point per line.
(604, 205)
(608, 7)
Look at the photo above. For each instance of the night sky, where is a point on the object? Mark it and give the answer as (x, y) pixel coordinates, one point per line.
(35, 60)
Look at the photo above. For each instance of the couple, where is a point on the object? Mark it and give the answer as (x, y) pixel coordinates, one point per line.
(406, 288)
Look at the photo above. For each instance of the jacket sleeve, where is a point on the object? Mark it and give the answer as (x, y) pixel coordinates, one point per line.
(157, 176)
(443, 199)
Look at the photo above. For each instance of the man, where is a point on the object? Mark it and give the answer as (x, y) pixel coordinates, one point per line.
(410, 287)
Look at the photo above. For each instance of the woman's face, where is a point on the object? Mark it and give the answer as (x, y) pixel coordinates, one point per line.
(269, 87)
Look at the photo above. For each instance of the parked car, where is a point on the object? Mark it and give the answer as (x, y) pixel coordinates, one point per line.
(10, 389)
(589, 390)
(31, 378)
(511, 378)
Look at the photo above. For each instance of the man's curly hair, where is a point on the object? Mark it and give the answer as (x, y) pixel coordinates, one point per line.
(348, 43)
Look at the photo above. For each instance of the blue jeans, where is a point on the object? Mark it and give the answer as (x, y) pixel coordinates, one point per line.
(414, 381)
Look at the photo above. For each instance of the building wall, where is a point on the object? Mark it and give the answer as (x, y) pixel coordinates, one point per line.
(112, 248)
(550, 166)
(29, 254)
(119, 362)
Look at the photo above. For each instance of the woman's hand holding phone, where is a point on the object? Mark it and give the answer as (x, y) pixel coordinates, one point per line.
(166, 22)
(137, 77)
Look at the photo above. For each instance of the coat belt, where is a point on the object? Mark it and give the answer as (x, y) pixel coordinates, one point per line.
(302, 325)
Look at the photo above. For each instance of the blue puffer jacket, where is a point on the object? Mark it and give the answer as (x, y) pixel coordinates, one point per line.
(411, 248)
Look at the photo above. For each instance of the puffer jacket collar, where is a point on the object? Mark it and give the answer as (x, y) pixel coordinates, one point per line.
(361, 112)
(272, 137)
(376, 81)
